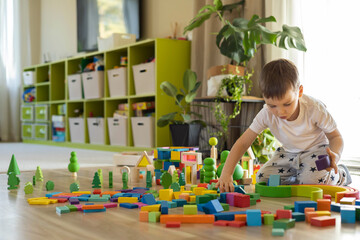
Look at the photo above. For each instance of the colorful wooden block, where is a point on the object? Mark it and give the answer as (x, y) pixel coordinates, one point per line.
(348, 200)
(154, 217)
(253, 217)
(144, 216)
(348, 215)
(274, 180)
(148, 199)
(301, 205)
(268, 219)
(323, 221)
(187, 218)
(166, 194)
(277, 232)
(173, 224)
(190, 210)
(323, 205)
(299, 217)
(236, 223)
(283, 214)
(284, 223)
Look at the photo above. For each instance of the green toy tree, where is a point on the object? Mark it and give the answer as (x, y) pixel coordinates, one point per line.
(100, 176)
(49, 185)
(175, 187)
(125, 179)
(73, 165)
(28, 189)
(175, 177)
(209, 167)
(148, 179)
(34, 180)
(13, 166)
(202, 175)
(110, 179)
(238, 172)
(166, 180)
(182, 179)
(96, 181)
(38, 174)
(74, 187)
(12, 181)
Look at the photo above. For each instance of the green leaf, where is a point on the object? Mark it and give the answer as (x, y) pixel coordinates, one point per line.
(218, 4)
(203, 14)
(169, 88)
(186, 117)
(189, 80)
(179, 98)
(293, 36)
(265, 20)
(190, 97)
(202, 123)
(166, 119)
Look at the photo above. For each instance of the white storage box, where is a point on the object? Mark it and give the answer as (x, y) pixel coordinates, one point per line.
(75, 87)
(93, 83)
(144, 78)
(143, 131)
(96, 130)
(115, 40)
(77, 132)
(118, 131)
(117, 79)
(29, 77)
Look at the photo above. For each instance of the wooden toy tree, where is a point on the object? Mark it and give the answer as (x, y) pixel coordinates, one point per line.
(49, 185)
(148, 179)
(110, 179)
(175, 177)
(38, 174)
(165, 180)
(34, 180)
(74, 187)
(12, 181)
(28, 189)
(13, 166)
(100, 176)
(96, 181)
(175, 186)
(182, 179)
(125, 179)
(73, 165)
(209, 167)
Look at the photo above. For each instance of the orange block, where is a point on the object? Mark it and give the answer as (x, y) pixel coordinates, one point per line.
(323, 204)
(187, 218)
(95, 206)
(185, 196)
(144, 216)
(240, 217)
(111, 193)
(309, 209)
(310, 215)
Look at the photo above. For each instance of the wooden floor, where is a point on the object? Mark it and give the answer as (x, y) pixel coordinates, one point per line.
(19, 220)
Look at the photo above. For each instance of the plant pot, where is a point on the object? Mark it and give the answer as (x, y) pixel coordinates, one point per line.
(186, 135)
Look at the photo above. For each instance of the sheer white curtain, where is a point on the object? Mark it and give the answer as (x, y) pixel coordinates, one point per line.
(12, 58)
(329, 69)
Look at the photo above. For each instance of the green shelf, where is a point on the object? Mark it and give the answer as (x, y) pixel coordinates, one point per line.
(172, 58)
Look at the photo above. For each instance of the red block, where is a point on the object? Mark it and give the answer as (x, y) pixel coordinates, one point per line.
(242, 201)
(97, 191)
(236, 223)
(204, 185)
(327, 196)
(173, 224)
(222, 223)
(158, 182)
(60, 200)
(282, 213)
(323, 221)
(230, 198)
(213, 180)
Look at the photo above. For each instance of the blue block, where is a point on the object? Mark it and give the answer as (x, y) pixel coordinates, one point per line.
(83, 199)
(223, 197)
(357, 202)
(335, 207)
(148, 199)
(274, 180)
(298, 216)
(144, 188)
(164, 154)
(94, 210)
(239, 189)
(118, 195)
(300, 206)
(138, 195)
(206, 210)
(85, 195)
(200, 207)
(49, 195)
(347, 215)
(253, 217)
(229, 216)
(89, 203)
(157, 175)
(213, 206)
(167, 165)
(180, 202)
(128, 205)
(164, 207)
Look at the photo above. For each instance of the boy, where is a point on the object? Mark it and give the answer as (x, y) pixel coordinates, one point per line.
(303, 126)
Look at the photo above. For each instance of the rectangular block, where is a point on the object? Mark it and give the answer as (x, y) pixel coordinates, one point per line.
(299, 217)
(277, 232)
(154, 217)
(127, 199)
(274, 180)
(253, 217)
(283, 214)
(144, 216)
(323, 221)
(301, 205)
(348, 215)
(284, 223)
(323, 205)
(187, 218)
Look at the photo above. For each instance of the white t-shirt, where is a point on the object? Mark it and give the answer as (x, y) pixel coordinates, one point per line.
(307, 131)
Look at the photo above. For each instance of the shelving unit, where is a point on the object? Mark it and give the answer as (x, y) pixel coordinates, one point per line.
(172, 58)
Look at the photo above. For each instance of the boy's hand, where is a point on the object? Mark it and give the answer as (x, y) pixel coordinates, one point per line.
(225, 184)
(334, 158)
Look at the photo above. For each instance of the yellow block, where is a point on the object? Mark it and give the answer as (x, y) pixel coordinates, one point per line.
(186, 192)
(192, 198)
(143, 162)
(53, 200)
(323, 213)
(209, 192)
(198, 190)
(127, 199)
(182, 188)
(175, 155)
(40, 202)
(156, 153)
(83, 192)
(166, 194)
(151, 208)
(39, 198)
(177, 194)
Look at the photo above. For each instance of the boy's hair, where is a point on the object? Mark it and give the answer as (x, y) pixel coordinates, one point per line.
(277, 77)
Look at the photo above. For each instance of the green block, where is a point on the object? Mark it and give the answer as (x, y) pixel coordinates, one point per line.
(158, 164)
(202, 199)
(252, 201)
(284, 223)
(62, 210)
(290, 207)
(190, 209)
(153, 192)
(172, 205)
(277, 192)
(278, 232)
(357, 212)
(212, 195)
(191, 203)
(192, 187)
(154, 217)
(225, 206)
(72, 208)
(268, 219)
(255, 196)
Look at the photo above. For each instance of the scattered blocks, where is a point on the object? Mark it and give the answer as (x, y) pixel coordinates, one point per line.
(214, 206)
(323, 221)
(128, 205)
(166, 194)
(61, 210)
(180, 202)
(236, 223)
(148, 199)
(151, 208)
(187, 218)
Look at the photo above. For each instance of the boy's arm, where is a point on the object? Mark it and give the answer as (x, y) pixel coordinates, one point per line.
(225, 182)
(336, 145)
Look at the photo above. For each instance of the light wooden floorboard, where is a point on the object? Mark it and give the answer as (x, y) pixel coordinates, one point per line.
(21, 221)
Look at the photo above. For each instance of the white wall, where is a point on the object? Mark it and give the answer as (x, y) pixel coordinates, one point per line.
(58, 34)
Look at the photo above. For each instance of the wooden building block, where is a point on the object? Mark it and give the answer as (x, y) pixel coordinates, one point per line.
(323, 205)
(323, 221)
(144, 216)
(187, 218)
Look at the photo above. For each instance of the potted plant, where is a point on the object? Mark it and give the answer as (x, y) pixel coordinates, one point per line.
(239, 40)
(185, 125)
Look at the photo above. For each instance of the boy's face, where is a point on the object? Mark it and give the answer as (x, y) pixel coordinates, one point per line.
(287, 107)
